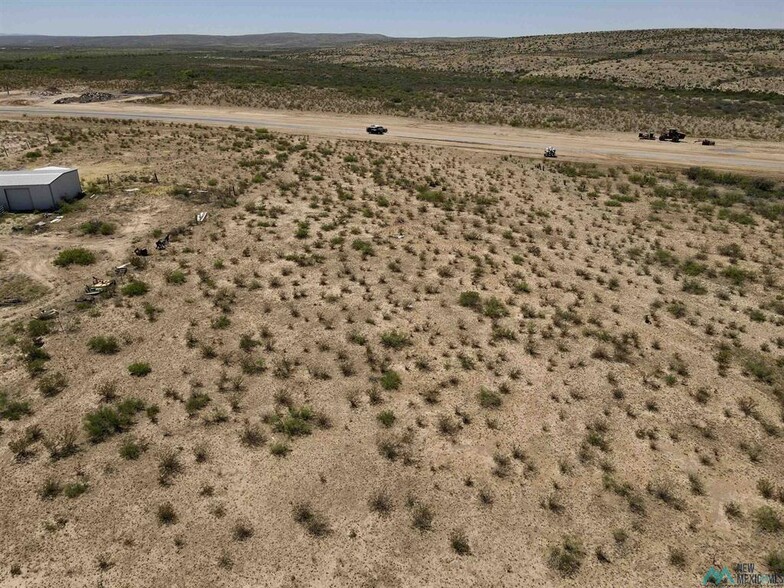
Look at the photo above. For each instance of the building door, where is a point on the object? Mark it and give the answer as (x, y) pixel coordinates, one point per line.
(19, 199)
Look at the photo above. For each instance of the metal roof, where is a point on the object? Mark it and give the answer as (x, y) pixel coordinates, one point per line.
(32, 177)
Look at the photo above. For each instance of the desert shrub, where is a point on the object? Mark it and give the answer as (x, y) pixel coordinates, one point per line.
(298, 421)
(381, 503)
(105, 345)
(390, 380)
(494, 308)
(139, 369)
(38, 328)
(97, 227)
(664, 491)
(253, 365)
(395, 339)
(131, 449)
(169, 465)
(50, 489)
(74, 256)
(489, 399)
(242, 530)
(280, 449)
(470, 300)
(135, 288)
(694, 287)
(768, 520)
(63, 443)
(775, 562)
(175, 277)
(365, 248)
(166, 514)
(567, 557)
(107, 420)
(196, 402)
(736, 275)
(75, 489)
(314, 522)
(52, 384)
(252, 436)
(12, 410)
(422, 517)
(386, 418)
(459, 542)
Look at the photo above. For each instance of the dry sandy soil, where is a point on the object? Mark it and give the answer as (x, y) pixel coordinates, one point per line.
(377, 364)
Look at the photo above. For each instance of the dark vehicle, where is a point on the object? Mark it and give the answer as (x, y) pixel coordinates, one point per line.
(376, 130)
(708, 142)
(672, 135)
(651, 136)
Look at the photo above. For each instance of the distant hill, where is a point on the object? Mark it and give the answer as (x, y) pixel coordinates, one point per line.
(261, 41)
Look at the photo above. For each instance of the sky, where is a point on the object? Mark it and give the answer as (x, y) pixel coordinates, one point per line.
(400, 18)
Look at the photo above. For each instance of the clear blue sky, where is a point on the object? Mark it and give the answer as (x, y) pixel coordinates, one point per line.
(402, 18)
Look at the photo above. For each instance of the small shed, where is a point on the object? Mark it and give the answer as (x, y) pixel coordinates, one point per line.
(38, 189)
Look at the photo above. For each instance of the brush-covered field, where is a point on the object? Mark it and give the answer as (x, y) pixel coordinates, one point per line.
(385, 365)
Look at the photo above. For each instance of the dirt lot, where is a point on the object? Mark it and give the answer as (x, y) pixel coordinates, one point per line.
(386, 364)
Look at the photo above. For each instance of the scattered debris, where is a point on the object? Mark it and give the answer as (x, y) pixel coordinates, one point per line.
(161, 244)
(47, 314)
(86, 98)
(200, 217)
(141, 252)
(56, 219)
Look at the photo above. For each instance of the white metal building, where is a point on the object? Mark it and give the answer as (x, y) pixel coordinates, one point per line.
(38, 189)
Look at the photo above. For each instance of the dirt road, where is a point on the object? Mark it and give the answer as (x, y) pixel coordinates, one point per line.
(610, 148)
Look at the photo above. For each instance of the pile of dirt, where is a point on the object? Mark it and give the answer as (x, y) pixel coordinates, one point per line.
(86, 98)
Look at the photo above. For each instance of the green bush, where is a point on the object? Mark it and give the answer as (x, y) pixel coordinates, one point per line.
(175, 277)
(196, 402)
(74, 256)
(38, 328)
(12, 410)
(494, 309)
(390, 380)
(97, 227)
(362, 246)
(776, 562)
(489, 399)
(131, 449)
(395, 339)
(386, 418)
(767, 520)
(297, 422)
(135, 288)
(105, 345)
(139, 369)
(470, 300)
(567, 557)
(75, 489)
(52, 384)
(107, 420)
